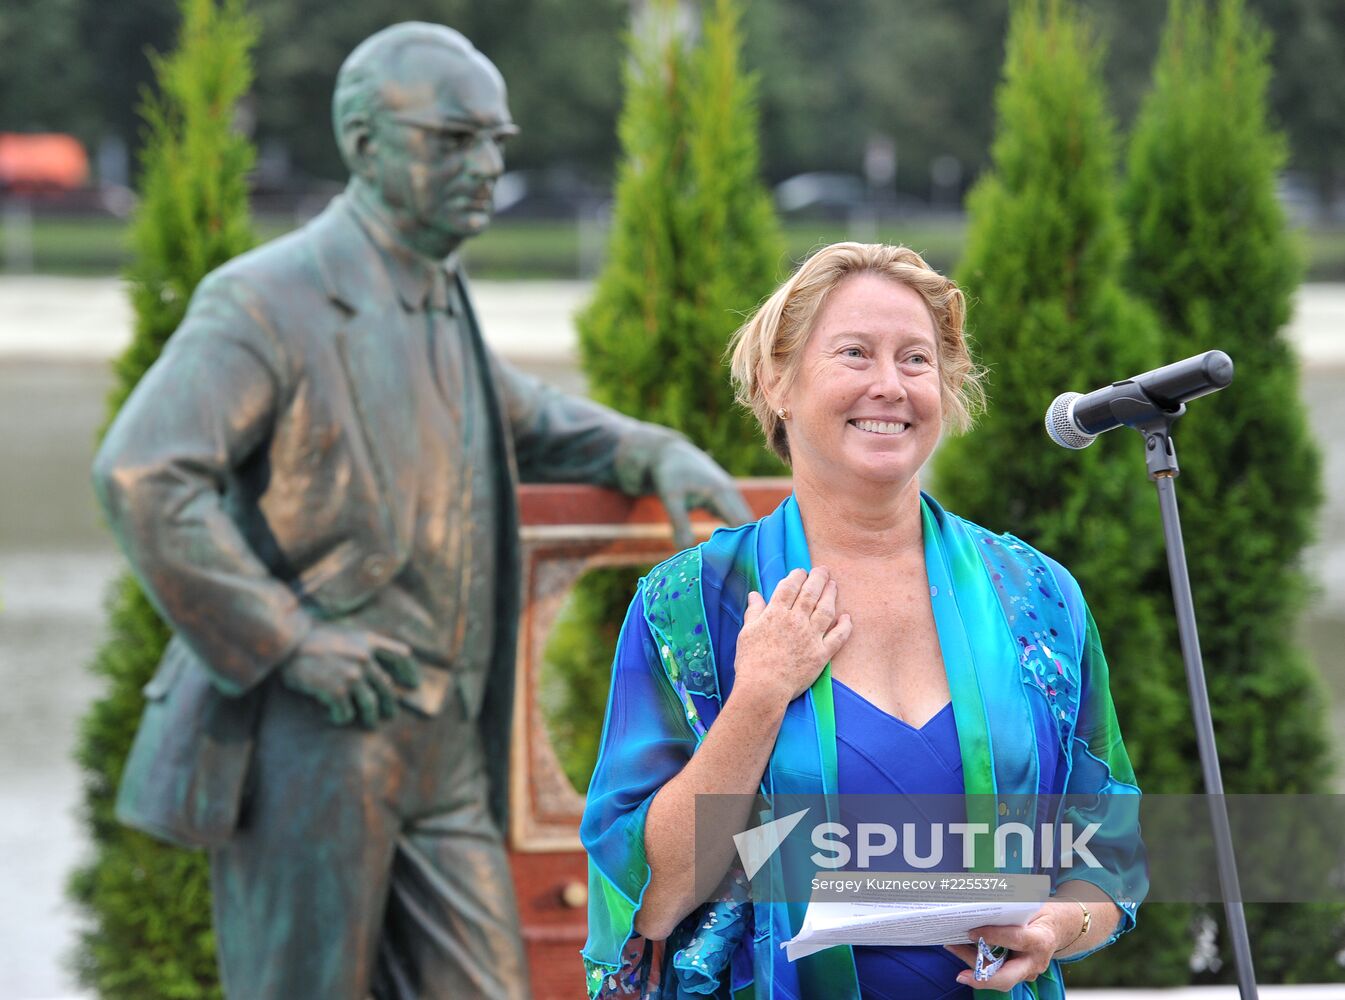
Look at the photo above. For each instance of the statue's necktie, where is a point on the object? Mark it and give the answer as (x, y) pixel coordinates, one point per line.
(445, 349)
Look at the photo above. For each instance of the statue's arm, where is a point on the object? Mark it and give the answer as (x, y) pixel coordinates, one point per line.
(200, 412)
(563, 438)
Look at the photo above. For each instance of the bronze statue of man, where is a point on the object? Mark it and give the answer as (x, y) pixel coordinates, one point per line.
(315, 484)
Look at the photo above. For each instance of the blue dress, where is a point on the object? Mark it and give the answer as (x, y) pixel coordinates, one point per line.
(879, 754)
(1030, 691)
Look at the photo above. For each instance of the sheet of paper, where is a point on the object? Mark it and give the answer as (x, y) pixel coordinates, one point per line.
(867, 921)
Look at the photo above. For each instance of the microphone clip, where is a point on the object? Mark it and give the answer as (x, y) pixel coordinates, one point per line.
(1135, 409)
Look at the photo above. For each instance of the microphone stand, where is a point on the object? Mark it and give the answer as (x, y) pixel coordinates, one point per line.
(1160, 456)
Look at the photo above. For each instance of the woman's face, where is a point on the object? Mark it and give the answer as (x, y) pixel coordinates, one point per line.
(866, 403)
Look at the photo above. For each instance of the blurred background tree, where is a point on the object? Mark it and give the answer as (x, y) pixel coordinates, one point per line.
(561, 61)
(1043, 267)
(833, 78)
(36, 35)
(694, 247)
(148, 905)
(1307, 63)
(1214, 258)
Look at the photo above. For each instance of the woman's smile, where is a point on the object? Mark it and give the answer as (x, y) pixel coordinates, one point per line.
(883, 428)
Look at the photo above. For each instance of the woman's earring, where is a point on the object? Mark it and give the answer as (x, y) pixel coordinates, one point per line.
(782, 413)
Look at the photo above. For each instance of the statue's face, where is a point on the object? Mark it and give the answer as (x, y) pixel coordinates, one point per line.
(436, 145)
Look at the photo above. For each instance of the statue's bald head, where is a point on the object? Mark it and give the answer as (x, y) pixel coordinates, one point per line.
(409, 64)
(420, 117)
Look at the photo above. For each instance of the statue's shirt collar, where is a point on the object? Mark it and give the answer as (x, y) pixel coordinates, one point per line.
(420, 282)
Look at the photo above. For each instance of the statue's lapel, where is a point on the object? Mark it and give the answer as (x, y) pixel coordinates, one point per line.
(375, 344)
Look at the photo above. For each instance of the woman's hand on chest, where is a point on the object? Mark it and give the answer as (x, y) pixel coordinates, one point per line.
(784, 644)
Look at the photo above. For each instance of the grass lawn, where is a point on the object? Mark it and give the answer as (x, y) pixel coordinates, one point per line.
(522, 249)
(510, 249)
(95, 246)
(1324, 252)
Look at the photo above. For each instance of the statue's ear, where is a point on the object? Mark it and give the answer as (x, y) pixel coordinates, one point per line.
(357, 145)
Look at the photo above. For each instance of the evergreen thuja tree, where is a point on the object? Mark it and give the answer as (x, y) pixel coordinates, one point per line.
(147, 904)
(1043, 272)
(1214, 258)
(695, 246)
(695, 243)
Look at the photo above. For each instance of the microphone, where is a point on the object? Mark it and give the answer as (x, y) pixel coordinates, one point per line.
(1074, 420)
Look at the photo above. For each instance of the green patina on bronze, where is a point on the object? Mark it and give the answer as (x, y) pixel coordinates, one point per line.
(315, 483)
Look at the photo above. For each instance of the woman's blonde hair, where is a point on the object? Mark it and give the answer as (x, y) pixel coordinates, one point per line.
(766, 350)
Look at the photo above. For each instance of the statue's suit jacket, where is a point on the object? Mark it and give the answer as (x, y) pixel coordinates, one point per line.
(261, 477)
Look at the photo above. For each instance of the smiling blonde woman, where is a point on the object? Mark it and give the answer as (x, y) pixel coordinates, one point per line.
(903, 651)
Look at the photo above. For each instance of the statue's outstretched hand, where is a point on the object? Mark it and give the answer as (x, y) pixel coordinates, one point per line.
(686, 478)
(350, 672)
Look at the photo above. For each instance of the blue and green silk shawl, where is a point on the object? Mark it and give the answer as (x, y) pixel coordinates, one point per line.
(1027, 676)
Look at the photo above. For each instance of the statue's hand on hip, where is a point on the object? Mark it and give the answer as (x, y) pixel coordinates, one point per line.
(351, 673)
